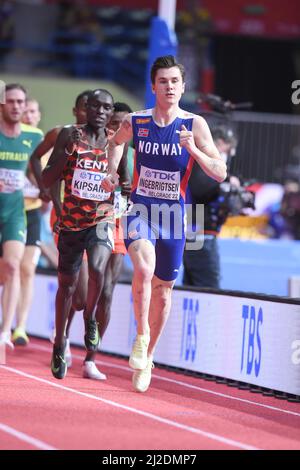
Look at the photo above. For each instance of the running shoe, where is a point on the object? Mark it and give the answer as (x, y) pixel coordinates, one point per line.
(90, 371)
(68, 354)
(138, 356)
(19, 337)
(91, 337)
(58, 362)
(141, 378)
(5, 339)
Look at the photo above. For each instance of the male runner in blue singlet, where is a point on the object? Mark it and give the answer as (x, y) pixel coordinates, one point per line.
(167, 141)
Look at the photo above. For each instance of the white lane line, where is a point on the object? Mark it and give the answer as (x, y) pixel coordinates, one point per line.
(25, 437)
(184, 384)
(145, 414)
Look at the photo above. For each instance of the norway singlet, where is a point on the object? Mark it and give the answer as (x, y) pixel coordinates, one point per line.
(161, 172)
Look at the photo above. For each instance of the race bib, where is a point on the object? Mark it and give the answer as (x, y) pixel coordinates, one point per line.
(11, 180)
(87, 185)
(30, 190)
(158, 183)
(120, 204)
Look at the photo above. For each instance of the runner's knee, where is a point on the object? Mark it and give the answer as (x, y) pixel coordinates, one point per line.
(97, 275)
(78, 302)
(107, 293)
(67, 285)
(27, 270)
(144, 272)
(12, 267)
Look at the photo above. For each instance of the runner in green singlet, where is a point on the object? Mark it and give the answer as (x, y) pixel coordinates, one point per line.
(17, 141)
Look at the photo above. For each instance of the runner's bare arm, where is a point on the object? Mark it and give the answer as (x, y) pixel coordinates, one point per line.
(123, 172)
(55, 191)
(201, 147)
(30, 176)
(44, 147)
(64, 146)
(115, 152)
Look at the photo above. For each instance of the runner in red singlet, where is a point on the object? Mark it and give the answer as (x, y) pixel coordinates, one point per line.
(86, 221)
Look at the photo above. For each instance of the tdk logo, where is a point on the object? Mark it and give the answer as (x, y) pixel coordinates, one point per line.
(160, 175)
(189, 329)
(251, 348)
(91, 176)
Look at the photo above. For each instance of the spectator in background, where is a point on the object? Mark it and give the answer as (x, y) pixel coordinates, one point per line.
(85, 26)
(7, 28)
(290, 211)
(202, 266)
(80, 32)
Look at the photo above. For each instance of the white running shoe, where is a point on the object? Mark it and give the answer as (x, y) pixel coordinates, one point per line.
(141, 378)
(138, 357)
(90, 371)
(68, 354)
(5, 339)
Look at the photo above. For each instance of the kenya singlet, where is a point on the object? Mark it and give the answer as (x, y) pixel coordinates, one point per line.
(85, 203)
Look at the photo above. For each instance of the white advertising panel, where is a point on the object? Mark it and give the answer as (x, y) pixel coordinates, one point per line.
(244, 339)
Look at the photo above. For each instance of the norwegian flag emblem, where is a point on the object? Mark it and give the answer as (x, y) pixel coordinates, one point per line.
(143, 132)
